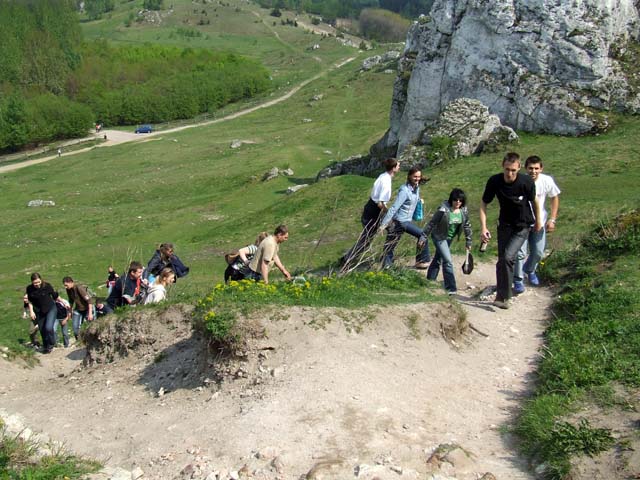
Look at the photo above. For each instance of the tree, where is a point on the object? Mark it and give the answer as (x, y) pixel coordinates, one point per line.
(152, 4)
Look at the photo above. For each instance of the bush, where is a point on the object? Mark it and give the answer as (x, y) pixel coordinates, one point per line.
(383, 25)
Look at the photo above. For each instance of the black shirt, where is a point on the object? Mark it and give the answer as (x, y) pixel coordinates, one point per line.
(515, 199)
(124, 286)
(41, 298)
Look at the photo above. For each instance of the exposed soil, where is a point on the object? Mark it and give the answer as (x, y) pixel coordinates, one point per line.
(323, 393)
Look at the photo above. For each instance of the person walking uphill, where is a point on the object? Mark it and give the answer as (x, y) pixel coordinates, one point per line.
(372, 212)
(449, 220)
(80, 301)
(516, 194)
(545, 187)
(267, 256)
(399, 218)
(42, 308)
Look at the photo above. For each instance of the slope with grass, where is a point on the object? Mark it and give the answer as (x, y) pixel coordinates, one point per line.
(189, 187)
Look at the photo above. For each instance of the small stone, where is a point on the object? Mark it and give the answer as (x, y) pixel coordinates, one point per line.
(278, 464)
(397, 469)
(277, 372)
(233, 475)
(137, 473)
(161, 392)
(306, 120)
(267, 453)
(188, 471)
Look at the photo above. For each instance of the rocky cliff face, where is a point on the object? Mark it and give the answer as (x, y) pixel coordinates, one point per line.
(540, 65)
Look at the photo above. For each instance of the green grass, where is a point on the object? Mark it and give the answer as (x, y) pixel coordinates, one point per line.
(19, 461)
(217, 313)
(592, 345)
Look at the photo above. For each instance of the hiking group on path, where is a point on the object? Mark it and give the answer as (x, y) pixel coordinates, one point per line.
(522, 226)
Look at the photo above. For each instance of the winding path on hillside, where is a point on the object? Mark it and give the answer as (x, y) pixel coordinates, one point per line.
(322, 396)
(117, 137)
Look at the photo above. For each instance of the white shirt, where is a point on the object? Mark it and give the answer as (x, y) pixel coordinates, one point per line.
(381, 191)
(545, 187)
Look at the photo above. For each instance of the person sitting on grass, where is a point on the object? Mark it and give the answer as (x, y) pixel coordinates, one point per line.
(239, 265)
(158, 291)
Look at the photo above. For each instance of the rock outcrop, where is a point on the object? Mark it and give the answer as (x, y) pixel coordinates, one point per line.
(542, 65)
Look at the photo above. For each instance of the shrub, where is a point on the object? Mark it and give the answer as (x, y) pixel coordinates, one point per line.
(383, 25)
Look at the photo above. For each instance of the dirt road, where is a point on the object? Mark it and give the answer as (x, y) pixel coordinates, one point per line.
(116, 137)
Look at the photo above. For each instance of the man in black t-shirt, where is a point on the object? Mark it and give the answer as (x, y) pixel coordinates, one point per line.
(519, 211)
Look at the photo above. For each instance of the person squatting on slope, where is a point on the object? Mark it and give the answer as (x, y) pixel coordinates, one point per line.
(516, 195)
(372, 213)
(267, 255)
(447, 222)
(238, 268)
(42, 309)
(536, 241)
(80, 300)
(399, 218)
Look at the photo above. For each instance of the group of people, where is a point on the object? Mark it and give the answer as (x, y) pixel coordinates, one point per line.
(522, 223)
(48, 311)
(522, 226)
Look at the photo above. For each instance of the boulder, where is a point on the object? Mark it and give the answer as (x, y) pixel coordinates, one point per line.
(295, 188)
(554, 67)
(41, 203)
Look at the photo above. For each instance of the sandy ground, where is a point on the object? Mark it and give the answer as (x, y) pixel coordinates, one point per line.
(329, 394)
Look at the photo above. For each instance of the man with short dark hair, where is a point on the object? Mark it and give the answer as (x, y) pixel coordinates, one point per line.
(127, 290)
(372, 213)
(80, 304)
(267, 256)
(545, 187)
(516, 194)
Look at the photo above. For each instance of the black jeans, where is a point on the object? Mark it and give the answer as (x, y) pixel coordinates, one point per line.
(510, 240)
(371, 216)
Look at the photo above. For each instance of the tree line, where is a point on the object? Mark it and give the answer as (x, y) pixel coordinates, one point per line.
(55, 86)
(329, 10)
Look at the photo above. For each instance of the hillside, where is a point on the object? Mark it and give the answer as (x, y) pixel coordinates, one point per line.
(190, 187)
(326, 393)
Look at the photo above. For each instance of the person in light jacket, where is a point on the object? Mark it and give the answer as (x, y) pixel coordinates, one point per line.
(399, 220)
(446, 224)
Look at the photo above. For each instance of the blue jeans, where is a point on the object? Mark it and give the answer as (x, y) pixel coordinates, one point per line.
(78, 318)
(65, 332)
(443, 255)
(510, 240)
(536, 243)
(396, 229)
(46, 324)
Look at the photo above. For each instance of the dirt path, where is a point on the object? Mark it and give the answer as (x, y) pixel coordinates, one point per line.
(117, 137)
(319, 398)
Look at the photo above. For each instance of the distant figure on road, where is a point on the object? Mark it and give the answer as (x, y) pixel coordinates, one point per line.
(59, 152)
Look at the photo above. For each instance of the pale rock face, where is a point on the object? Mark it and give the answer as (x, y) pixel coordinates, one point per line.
(539, 65)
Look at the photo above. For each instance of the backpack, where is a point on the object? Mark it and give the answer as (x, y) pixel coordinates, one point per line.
(61, 311)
